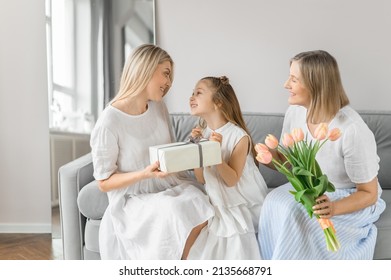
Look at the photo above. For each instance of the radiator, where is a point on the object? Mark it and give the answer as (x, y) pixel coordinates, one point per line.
(65, 147)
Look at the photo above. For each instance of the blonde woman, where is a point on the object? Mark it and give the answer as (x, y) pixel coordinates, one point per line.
(151, 214)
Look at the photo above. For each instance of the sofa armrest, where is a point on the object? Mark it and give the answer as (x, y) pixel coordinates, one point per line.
(72, 177)
(92, 202)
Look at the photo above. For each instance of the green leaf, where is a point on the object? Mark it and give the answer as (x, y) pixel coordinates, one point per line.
(321, 187)
(282, 169)
(330, 187)
(297, 185)
(301, 171)
(308, 201)
(299, 194)
(293, 192)
(318, 172)
(303, 156)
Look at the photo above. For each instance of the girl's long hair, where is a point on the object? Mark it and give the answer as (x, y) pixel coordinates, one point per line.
(224, 96)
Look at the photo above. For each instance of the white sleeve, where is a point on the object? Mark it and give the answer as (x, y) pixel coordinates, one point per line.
(104, 150)
(360, 153)
(289, 117)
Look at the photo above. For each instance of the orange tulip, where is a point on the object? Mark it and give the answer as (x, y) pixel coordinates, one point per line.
(321, 131)
(271, 141)
(264, 157)
(297, 134)
(334, 134)
(287, 140)
(260, 148)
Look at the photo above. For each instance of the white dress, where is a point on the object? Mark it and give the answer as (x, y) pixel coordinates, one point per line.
(231, 233)
(152, 218)
(285, 229)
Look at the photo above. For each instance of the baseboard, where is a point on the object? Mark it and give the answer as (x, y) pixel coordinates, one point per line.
(25, 228)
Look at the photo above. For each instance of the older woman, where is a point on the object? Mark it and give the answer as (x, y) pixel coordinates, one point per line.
(316, 95)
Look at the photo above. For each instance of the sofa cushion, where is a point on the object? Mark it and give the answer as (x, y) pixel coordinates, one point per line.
(91, 201)
(182, 124)
(383, 242)
(91, 235)
(380, 124)
(385, 221)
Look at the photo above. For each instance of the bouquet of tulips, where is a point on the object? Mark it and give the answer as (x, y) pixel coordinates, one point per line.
(302, 170)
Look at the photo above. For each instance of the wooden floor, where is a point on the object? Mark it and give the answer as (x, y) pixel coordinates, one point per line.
(29, 246)
(20, 246)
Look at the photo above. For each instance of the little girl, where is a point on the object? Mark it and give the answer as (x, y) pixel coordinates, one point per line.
(235, 187)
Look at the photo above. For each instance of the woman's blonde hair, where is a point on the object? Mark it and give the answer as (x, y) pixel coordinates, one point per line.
(139, 69)
(225, 98)
(320, 75)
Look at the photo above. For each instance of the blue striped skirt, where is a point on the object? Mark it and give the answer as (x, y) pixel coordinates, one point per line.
(286, 232)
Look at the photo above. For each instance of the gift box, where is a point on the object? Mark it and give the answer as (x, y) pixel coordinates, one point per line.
(182, 156)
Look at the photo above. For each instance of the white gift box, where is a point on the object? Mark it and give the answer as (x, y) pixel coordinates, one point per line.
(182, 156)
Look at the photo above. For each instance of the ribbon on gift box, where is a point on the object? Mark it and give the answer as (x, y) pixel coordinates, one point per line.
(191, 140)
(197, 140)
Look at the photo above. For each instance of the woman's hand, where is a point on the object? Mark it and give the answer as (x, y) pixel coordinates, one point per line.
(365, 196)
(324, 207)
(121, 180)
(153, 171)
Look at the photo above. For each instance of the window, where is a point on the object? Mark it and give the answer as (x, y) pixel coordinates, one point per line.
(87, 42)
(73, 55)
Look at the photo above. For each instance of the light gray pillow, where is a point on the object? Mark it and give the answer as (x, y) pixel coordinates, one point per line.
(92, 202)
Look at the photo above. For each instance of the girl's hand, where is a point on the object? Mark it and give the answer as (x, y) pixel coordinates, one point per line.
(196, 132)
(216, 137)
(153, 171)
(324, 207)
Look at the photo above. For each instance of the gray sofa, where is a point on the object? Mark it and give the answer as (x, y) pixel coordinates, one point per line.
(82, 204)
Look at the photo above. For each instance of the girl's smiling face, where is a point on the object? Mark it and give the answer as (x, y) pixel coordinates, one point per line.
(201, 102)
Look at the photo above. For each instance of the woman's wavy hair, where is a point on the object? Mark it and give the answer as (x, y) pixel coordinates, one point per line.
(225, 98)
(321, 76)
(139, 69)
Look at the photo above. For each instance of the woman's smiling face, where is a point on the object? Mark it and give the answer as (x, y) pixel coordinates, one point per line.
(160, 82)
(298, 92)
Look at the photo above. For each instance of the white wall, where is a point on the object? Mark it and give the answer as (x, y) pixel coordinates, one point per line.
(251, 41)
(24, 140)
